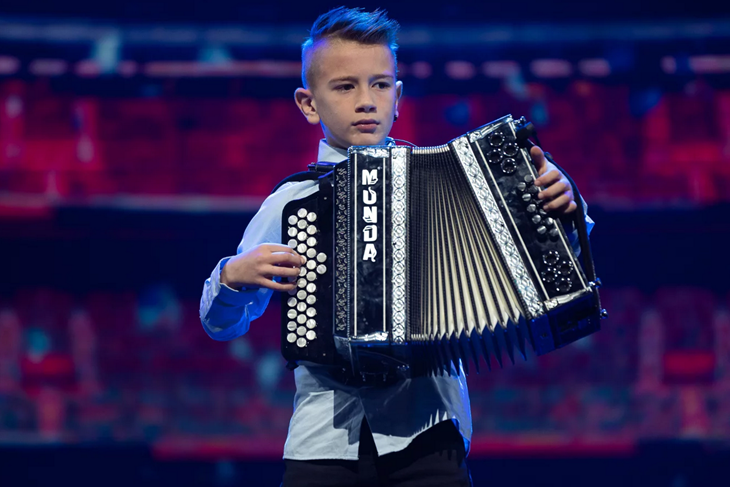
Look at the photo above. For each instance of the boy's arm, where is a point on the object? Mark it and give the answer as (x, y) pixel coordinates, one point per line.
(226, 311)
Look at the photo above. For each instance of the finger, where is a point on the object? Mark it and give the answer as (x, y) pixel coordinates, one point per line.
(285, 259)
(559, 204)
(274, 247)
(272, 270)
(549, 178)
(538, 158)
(277, 286)
(553, 191)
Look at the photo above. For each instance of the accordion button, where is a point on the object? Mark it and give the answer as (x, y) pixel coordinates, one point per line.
(311, 287)
(302, 294)
(526, 197)
(495, 140)
(311, 241)
(293, 220)
(291, 302)
(302, 224)
(541, 230)
(311, 276)
(291, 326)
(321, 269)
(291, 338)
(292, 243)
(311, 335)
(551, 257)
(311, 323)
(301, 319)
(311, 300)
(301, 342)
(301, 213)
(536, 219)
(510, 149)
(301, 248)
(292, 232)
(311, 265)
(301, 331)
(291, 314)
(563, 285)
(533, 190)
(302, 271)
(311, 253)
(302, 236)
(311, 312)
(321, 257)
(311, 217)
(531, 208)
(302, 307)
(509, 165)
(494, 156)
(311, 229)
(529, 179)
(302, 283)
(293, 291)
(549, 275)
(565, 268)
(520, 187)
(548, 221)
(554, 232)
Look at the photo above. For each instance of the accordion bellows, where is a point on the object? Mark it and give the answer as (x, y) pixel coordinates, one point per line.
(422, 259)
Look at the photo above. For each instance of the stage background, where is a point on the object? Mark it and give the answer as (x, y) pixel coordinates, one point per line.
(137, 140)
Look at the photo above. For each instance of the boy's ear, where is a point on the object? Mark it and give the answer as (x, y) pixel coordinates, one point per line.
(305, 101)
(398, 93)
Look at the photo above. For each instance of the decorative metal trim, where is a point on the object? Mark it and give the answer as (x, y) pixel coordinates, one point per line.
(498, 228)
(482, 131)
(342, 250)
(377, 152)
(398, 240)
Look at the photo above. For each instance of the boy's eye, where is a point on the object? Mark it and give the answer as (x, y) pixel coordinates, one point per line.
(383, 85)
(346, 87)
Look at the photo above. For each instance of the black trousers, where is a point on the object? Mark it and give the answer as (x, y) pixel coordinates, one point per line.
(435, 458)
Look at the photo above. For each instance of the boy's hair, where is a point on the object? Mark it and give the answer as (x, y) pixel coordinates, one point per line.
(350, 24)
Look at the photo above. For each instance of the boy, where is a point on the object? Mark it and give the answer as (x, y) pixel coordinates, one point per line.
(413, 432)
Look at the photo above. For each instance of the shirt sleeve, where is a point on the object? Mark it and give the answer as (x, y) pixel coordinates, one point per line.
(226, 313)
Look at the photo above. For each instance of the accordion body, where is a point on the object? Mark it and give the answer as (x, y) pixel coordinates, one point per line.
(420, 260)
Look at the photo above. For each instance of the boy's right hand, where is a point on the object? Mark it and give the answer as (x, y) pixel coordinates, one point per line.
(258, 267)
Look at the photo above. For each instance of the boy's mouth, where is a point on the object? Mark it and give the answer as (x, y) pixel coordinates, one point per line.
(367, 125)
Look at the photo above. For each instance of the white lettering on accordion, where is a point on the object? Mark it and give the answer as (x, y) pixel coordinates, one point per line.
(370, 214)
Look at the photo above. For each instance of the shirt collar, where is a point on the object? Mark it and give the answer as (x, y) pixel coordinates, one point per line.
(327, 153)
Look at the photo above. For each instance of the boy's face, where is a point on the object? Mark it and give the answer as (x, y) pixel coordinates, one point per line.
(353, 92)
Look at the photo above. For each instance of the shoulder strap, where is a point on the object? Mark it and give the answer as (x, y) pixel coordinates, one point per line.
(316, 170)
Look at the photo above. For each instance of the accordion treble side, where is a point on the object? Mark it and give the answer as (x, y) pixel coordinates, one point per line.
(422, 259)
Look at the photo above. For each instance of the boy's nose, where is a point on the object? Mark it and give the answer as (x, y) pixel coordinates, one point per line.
(365, 103)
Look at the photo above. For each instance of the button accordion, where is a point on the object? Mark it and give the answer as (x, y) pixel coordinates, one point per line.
(420, 260)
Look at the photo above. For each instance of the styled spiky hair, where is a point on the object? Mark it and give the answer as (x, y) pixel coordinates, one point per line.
(350, 24)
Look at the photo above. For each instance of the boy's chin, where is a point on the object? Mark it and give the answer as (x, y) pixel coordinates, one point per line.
(367, 139)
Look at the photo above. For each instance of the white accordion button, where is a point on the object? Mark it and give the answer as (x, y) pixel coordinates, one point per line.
(311, 276)
(302, 283)
(311, 323)
(321, 257)
(291, 338)
(321, 269)
(311, 335)
(301, 248)
(293, 243)
(311, 217)
(311, 241)
(291, 302)
(291, 314)
(291, 326)
(311, 312)
(302, 294)
(293, 220)
(311, 287)
(292, 232)
(302, 271)
(302, 307)
(301, 213)
(301, 342)
(311, 300)
(311, 265)
(311, 253)
(302, 224)
(311, 229)
(302, 236)
(301, 319)
(301, 331)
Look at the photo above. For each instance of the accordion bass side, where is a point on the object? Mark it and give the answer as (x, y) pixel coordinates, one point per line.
(419, 259)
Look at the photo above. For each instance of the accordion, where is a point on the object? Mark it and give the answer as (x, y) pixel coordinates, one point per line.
(420, 260)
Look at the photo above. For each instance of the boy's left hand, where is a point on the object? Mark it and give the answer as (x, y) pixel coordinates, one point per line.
(558, 194)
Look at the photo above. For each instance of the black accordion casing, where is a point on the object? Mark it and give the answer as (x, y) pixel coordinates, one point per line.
(419, 259)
